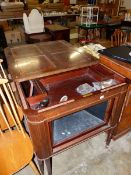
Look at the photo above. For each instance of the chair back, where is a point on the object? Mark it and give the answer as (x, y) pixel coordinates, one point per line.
(10, 112)
(34, 23)
(26, 23)
(118, 38)
(16, 150)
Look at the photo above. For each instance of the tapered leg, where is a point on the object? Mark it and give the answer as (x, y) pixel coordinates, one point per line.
(41, 165)
(48, 163)
(109, 137)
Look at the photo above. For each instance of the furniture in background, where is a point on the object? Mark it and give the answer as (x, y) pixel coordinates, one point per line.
(90, 33)
(55, 17)
(126, 23)
(124, 69)
(58, 7)
(12, 15)
(34, 22)
(118, 38)
(58, 32)
(3, 44)
(32, 4)
(34, 27)
(89, 15)
(110, 8)
(12, 6)
(13, 37)
(110, 28)
(16, 150)
(126, 27)
(54, 73)
(46, 6)
(61, 18)
(37, 37)
(5, 25)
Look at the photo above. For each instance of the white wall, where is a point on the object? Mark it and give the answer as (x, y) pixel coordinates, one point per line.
(127, 4)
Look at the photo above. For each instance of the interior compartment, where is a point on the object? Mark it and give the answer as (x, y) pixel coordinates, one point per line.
(77, 123)
(64, 86)
(32, 88)
(35, 94)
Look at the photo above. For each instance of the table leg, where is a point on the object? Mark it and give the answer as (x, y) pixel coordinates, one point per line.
(130, 37)
(78, 34)
(48, 163)
(86, 39)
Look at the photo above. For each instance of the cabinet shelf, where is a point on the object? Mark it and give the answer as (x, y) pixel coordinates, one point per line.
(91, 15)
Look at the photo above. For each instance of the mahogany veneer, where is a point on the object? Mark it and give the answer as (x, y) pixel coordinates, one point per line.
(45, 73)
(124, 69)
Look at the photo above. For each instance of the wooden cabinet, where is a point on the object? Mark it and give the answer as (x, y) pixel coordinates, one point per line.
(67, 95)
(59, 117)
(124, 124)
(110, 8)
(125, 120)
(58, 32)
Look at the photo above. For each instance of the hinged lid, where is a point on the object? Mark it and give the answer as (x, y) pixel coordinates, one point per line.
(43, 59)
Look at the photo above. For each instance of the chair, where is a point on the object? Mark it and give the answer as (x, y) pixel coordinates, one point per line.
(34, 27)
(16, 149)
(118, 38)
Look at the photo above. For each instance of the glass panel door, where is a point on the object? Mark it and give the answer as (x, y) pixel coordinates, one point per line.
(78, 122)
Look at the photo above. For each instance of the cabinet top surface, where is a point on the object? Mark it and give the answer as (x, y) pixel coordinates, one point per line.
(55, 27)
(119, 66)
(43, 59)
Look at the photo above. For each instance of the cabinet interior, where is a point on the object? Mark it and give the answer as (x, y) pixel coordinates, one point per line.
(79, 122)
(51, 90)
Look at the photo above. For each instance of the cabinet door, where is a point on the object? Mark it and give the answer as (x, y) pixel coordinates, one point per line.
(78, 123)
(125, 120)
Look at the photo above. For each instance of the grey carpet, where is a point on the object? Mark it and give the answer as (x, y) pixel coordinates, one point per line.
(93, 158)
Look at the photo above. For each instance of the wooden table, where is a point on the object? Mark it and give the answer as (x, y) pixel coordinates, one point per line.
(58, 32)
(37, 37)
(124, 69)
(90, 29)
(47, 76)
(11, 15)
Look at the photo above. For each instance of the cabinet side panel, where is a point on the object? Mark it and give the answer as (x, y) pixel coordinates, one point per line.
(39, 132)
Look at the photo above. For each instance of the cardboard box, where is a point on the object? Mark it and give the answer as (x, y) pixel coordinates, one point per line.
(13, 37)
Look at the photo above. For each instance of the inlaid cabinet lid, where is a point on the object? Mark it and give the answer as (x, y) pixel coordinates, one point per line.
(43, 59)
(116, 65)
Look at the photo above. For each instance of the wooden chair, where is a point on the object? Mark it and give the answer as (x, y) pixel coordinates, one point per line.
(118, 38)
(16, 150)
(34, 27)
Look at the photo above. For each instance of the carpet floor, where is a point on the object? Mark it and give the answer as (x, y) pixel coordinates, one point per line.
(93, 158)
